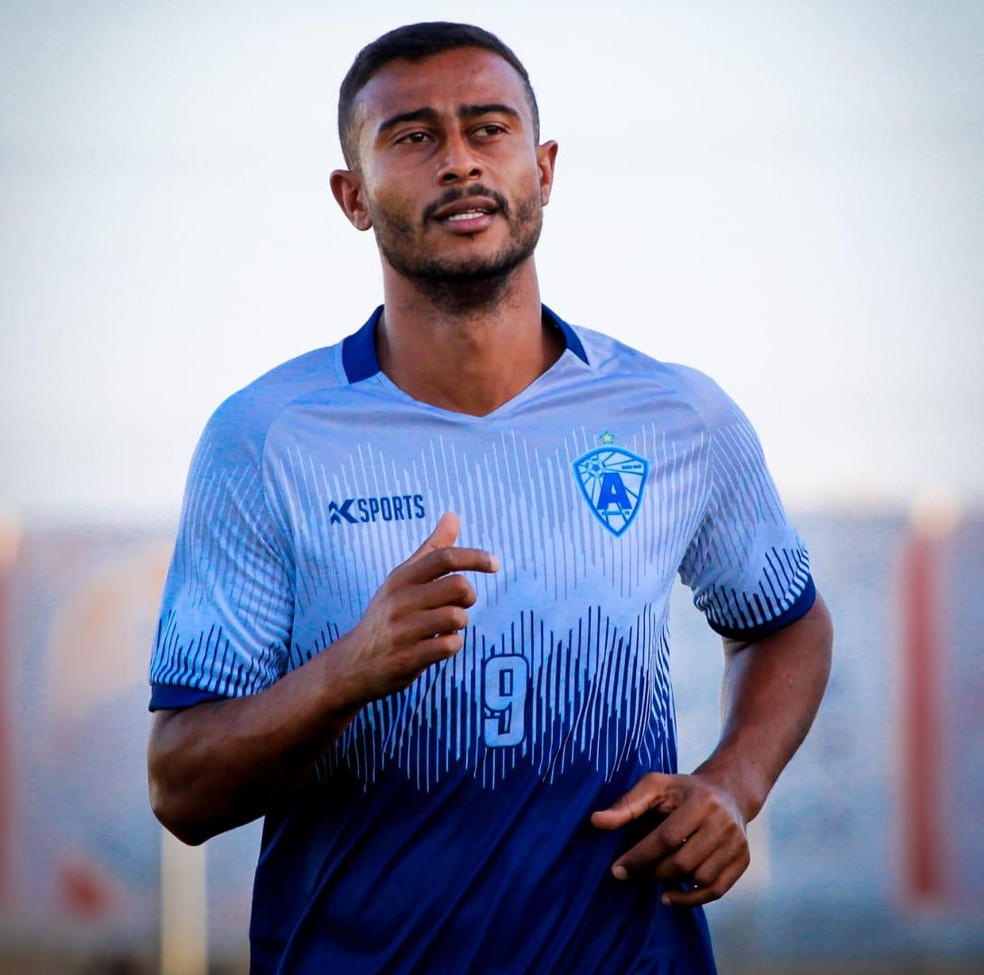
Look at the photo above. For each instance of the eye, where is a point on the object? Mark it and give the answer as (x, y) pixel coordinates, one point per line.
(415, 138)
(488, 130)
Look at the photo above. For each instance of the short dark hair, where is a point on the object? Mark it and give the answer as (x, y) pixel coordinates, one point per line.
(415, 42)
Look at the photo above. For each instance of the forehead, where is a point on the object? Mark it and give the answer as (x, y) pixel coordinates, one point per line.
(461, 76)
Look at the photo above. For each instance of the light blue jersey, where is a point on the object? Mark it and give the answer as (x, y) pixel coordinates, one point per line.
(449, 827)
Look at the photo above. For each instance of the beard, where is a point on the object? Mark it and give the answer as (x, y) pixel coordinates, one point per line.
(460, 284)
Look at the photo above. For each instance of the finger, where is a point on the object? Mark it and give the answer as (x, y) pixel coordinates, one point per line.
(444, 535)
(720, 864)
(699, 850)
(655, 790)
(422, 654)
(452, 590)
(423, 650)
(440, 647)
(447, 619)
(667, 839)
(693, 896)
(442, 562)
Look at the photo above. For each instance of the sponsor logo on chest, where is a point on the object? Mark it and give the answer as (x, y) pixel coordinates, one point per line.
(389, 507)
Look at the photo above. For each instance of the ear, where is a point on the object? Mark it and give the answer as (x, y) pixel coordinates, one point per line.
(346, 187)
(546, 156)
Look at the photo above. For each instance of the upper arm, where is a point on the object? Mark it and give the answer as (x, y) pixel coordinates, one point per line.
(814, 629)
(167, 728)
(161, 721)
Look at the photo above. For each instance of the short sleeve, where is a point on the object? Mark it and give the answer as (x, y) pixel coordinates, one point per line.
(747, 567)
(227, 608)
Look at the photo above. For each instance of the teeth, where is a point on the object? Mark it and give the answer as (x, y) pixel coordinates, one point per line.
(467, 215)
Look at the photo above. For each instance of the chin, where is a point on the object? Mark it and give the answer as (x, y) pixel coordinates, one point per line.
(473, 268)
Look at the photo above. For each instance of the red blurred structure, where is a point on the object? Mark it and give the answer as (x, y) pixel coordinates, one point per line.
(6, 748)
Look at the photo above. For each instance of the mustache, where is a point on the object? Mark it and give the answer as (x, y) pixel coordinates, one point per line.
(453, 194)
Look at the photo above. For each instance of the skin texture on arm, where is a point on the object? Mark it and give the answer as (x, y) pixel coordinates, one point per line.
(220, 764)
(771, 692)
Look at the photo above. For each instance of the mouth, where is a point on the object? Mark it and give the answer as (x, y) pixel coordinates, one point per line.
(466, 213)
(471, 214)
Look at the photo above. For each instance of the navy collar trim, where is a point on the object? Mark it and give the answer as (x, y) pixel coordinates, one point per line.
(359, 350)
(570, 336)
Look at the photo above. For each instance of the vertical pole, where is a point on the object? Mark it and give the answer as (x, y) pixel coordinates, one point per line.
(184, 930)
(10, 538)
(924, 852)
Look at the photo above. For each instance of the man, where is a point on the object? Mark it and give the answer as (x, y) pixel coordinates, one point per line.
(465, 754)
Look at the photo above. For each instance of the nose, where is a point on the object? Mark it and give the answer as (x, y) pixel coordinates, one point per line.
(458, 161)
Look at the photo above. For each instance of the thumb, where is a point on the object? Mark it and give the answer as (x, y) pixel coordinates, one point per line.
(444, 535)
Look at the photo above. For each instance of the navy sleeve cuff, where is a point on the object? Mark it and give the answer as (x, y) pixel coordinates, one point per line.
(165, 697)
(802, 605)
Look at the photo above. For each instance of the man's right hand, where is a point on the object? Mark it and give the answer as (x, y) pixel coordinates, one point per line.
(415, 616)
(222, 763)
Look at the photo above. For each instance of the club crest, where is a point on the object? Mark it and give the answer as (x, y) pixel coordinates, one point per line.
(612, 480)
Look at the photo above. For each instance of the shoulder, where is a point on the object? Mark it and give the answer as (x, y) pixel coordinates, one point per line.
(238, 428)
(687, 386)
(257, 403)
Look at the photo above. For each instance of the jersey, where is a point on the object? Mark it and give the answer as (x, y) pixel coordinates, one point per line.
(447, 829)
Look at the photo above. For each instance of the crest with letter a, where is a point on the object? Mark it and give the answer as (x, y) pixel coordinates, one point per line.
(612, 480)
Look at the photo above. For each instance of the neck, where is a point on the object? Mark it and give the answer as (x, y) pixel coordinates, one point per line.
(467, 348)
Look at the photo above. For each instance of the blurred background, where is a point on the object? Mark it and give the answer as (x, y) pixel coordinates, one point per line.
(787, 195)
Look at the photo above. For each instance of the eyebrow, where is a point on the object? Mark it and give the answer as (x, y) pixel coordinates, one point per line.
(495, 108)
(418, 115)
(430, 115)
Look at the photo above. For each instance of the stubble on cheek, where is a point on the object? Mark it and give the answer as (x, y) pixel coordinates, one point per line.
(393, 219)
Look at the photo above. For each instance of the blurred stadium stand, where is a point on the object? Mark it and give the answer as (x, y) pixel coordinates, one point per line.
(869, 857)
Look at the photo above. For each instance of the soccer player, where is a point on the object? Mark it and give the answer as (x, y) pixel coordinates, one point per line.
(417, 612)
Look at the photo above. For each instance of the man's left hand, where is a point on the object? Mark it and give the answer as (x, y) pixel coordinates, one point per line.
(701, 841)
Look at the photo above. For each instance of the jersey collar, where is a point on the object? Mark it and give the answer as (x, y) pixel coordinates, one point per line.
(359, 350)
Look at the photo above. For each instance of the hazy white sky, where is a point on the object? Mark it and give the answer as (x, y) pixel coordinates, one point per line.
(787, 195)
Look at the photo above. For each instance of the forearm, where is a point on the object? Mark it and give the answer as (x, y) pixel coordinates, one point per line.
(222, 764)
(772, 690)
